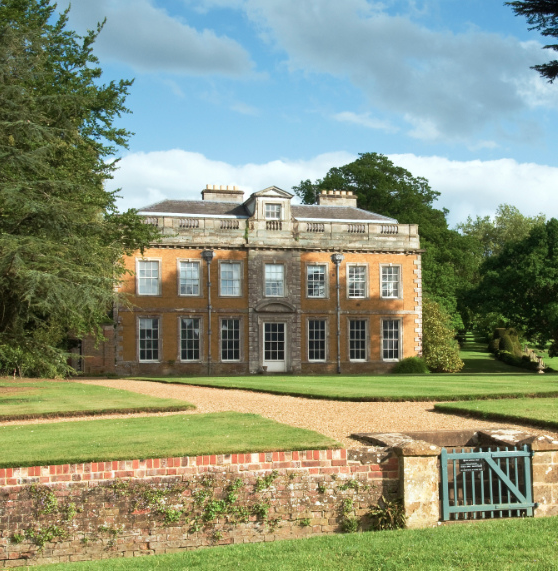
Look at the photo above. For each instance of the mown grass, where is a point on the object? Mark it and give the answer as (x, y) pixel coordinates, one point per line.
(494, 545)
(36, 399)
(150, 437)
(386, 387)
(539, 412)
(478, 360)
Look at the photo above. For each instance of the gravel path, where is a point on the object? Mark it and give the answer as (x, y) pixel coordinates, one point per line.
(335, 419)
(332, 418)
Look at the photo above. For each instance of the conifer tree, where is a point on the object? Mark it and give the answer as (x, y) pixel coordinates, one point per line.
(62, 238)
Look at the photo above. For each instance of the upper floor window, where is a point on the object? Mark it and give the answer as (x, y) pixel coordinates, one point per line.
(391, 281)
(274, 280)
(230, 278)
(316, 281)
(356, 281)
(273, 212)
(148, 277)
(189, 278)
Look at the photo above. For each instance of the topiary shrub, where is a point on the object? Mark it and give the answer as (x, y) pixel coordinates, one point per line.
(506, 344)
(411, 365)
(439, 348)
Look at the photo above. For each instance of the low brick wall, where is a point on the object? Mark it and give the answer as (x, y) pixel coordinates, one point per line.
(77, 512)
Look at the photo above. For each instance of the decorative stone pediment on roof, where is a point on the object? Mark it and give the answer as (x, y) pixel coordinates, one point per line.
(273, 191)
(274, 306)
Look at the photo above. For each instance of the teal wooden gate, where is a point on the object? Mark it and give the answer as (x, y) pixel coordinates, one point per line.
(482, 483)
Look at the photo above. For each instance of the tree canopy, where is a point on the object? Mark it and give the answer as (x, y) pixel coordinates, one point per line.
(382, 187)
(521, 283)
(62, 238)
(542, 15)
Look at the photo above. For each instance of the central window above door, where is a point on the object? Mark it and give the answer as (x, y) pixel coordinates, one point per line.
(274, 280)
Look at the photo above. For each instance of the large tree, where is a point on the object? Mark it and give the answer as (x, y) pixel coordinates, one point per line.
(61, 237)
(521, 283)
(542, 15)
(382, 187)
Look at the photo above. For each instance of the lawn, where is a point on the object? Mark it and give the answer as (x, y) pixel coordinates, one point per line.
(540, 412)
(387, 387)
(36, 399)
(150, 437)
(494, 545)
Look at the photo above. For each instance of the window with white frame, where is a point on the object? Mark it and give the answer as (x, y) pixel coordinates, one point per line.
(316, 340)
(391, 279)
(274, 280)
(356, 281)
(390, 339)
(148, 339)
(273, 212)
(189, 278)
(230, 278)
(316, 280)
(357, 340)
(230, 339)
(190, 339)
(148, 277)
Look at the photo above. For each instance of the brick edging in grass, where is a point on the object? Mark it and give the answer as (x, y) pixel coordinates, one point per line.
(96, 412)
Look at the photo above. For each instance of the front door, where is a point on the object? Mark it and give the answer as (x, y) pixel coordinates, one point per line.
(274, 347)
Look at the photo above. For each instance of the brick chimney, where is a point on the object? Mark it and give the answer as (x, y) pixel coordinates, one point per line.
(216, 193)
(337, 198)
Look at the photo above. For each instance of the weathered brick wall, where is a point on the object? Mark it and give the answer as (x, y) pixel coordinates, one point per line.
(112, 509)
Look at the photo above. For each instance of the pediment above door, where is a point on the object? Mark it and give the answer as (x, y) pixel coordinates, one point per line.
(274, 306)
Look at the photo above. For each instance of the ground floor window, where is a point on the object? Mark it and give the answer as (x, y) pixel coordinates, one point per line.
(390, 339)
(190, 339)
(316, 340)
(357, 340)
(148, 339)
(230, 340)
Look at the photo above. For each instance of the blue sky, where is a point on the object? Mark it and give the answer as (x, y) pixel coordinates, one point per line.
(270, 92)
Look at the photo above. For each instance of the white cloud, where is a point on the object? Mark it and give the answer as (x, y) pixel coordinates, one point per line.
(149, 40)
(365, 120)
(146, 178)
(468, 188)
(245, 109)
(476, 188)
(451, 86)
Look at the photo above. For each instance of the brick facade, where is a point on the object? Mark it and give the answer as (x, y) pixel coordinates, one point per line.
(139, 507)
(300, 238)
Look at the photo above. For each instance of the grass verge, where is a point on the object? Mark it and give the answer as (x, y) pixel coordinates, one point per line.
(39, 399)
(384, 388)
(539, 412)
(151, 437)
(494, 545)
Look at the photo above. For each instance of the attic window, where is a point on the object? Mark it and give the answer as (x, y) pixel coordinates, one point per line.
(273, 212)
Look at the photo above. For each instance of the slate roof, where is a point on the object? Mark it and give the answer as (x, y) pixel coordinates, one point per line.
(200, 207)
(299, 211)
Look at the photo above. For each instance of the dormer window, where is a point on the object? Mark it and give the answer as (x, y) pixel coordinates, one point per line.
(273, 212)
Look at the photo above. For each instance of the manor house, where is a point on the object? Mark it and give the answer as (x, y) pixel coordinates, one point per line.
(243, 285)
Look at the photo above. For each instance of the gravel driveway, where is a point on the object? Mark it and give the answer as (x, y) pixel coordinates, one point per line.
(332, 418)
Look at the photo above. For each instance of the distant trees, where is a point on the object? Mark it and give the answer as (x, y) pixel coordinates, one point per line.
(61, 237)
(541, 15)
